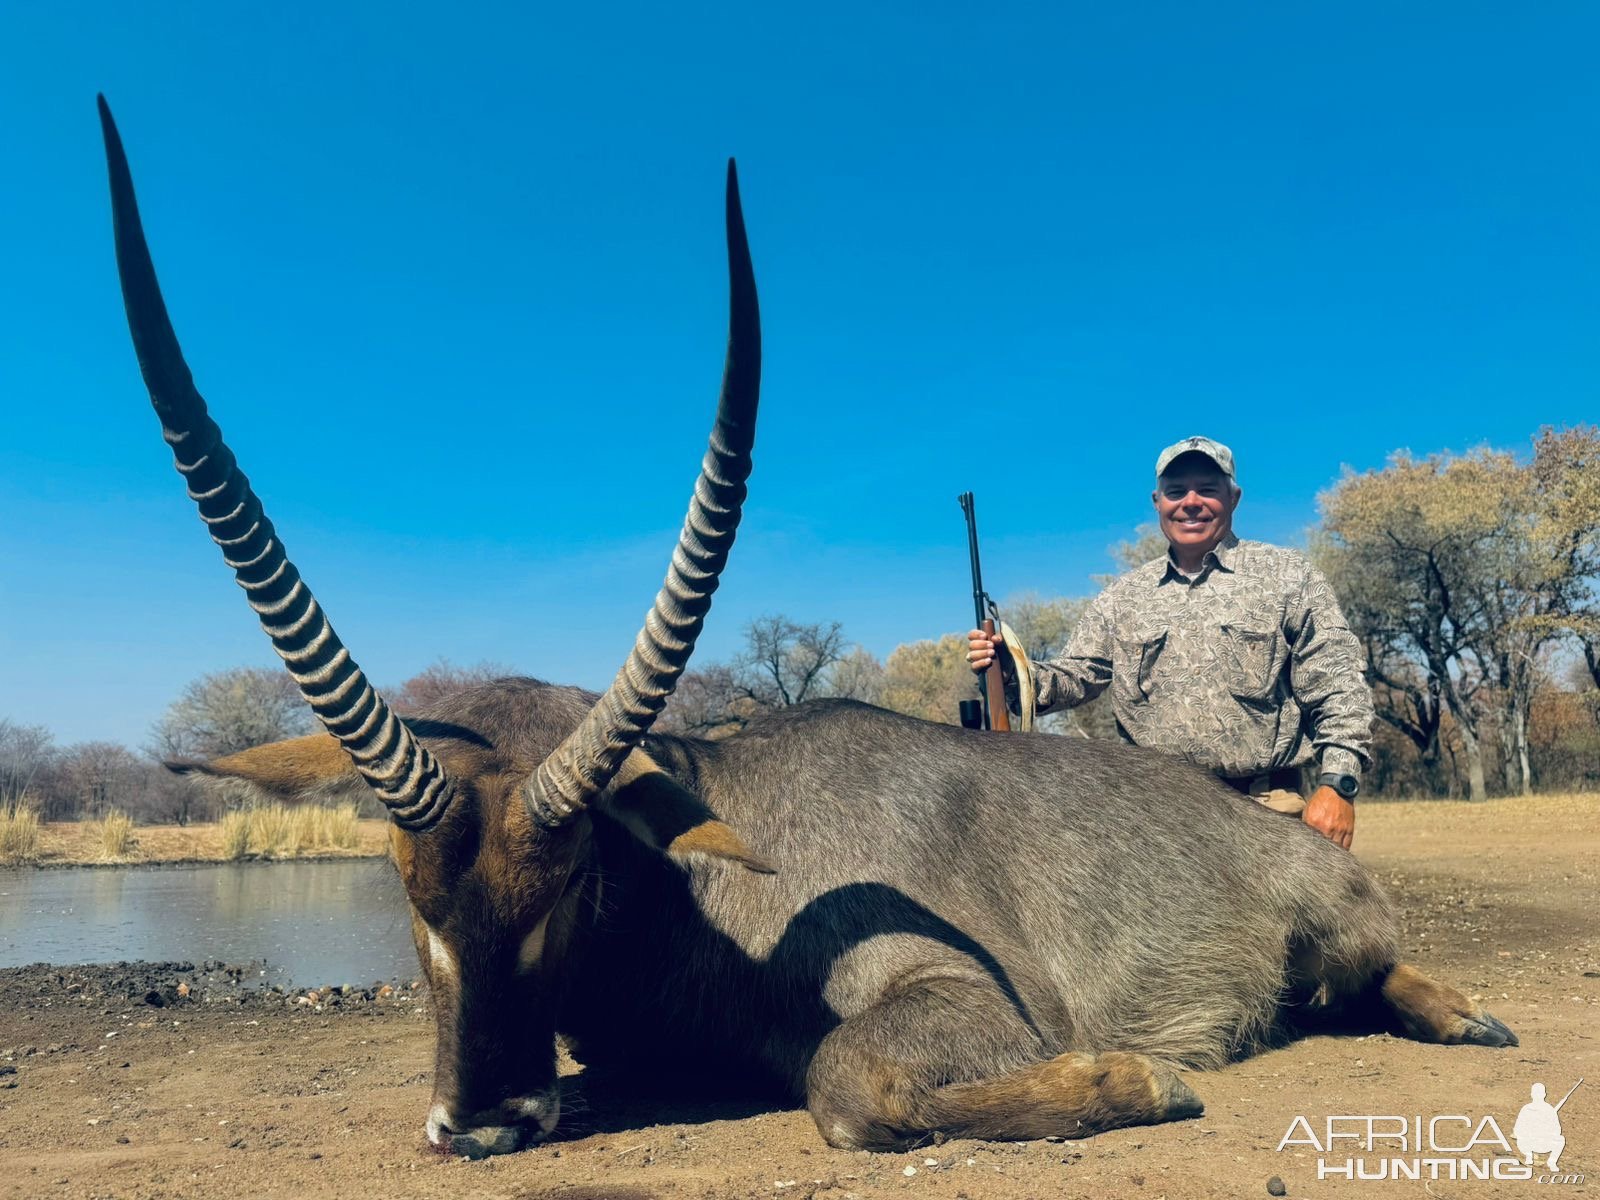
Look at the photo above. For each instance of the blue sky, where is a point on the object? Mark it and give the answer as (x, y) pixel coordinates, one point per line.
(454, 288)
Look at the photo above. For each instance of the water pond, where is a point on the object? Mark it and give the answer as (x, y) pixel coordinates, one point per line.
(333, 922)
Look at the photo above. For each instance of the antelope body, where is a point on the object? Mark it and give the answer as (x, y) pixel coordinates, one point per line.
(912, 928)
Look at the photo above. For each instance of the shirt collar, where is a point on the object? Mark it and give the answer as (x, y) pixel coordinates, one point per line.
(1222, 556)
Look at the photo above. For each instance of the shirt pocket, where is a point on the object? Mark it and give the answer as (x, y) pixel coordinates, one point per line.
(1250, 660)
(1135, 664)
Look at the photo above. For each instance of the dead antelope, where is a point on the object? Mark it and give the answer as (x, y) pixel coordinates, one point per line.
(913, 928)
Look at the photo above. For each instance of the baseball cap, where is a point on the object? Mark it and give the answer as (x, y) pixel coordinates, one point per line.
(1214, 450)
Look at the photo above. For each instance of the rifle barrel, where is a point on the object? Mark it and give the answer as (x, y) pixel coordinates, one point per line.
(1570, 1090)
(991, 684)
(970, 509)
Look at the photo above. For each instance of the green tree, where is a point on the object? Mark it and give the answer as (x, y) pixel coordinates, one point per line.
(1459, 573)
(1566, 467)
(928, 679)
(1147, 545)
(1400, 545)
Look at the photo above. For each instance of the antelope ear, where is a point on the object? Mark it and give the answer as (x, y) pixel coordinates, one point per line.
(303, 768)
(662, 813)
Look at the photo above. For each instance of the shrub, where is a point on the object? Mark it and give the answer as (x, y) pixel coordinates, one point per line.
(235, 835)
(343, 832)
(116, 835)
(19, 832)
(272, 832)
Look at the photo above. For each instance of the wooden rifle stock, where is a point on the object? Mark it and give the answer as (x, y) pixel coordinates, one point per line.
(994, 684)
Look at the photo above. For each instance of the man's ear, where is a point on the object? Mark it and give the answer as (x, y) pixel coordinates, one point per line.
(304, 768)
(664, 814)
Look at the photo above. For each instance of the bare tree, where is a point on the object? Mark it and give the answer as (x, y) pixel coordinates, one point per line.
(97, 776)
(440, 679)
(25, 751)
(710, 702)
(177, 799)
(230, 711)
(785, 662)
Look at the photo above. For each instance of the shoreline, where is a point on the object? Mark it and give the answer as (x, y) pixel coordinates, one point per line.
(156, 864)
(73, 843)
(76, 844)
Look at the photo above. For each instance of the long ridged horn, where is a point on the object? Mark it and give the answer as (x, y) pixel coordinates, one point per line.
(582, 766)
(408, 779)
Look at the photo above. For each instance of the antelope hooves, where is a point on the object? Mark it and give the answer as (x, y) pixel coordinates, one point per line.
(1180, 1100)
(1484, 1030)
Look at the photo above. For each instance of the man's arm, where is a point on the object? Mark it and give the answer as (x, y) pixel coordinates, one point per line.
(1083, 670)
(1326, 674)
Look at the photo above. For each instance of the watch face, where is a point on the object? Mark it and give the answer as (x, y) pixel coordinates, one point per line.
(1346, 785)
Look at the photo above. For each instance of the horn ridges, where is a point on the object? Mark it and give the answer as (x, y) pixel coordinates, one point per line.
(399, 769)
(582, 766)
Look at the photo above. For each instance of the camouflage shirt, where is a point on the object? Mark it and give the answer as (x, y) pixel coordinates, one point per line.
(1244, 668)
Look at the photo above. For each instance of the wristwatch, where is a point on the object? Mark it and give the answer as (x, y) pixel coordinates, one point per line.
(1346, 785)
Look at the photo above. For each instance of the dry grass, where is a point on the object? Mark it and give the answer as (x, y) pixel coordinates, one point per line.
(116, 836)
(284, 831)
(235, 835)
(69, 843)
(19, 833)
(290, 831)
(280, 831)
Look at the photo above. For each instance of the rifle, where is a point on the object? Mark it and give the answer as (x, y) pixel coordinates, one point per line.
(991, 684)
(1570, 1090)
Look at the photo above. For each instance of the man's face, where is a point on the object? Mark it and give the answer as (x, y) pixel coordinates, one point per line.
(1194, 504)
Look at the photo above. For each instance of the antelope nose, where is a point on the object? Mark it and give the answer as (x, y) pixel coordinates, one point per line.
(508, 1126)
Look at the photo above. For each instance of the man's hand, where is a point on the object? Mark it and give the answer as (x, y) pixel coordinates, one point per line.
(1331, 815)
(980, 650)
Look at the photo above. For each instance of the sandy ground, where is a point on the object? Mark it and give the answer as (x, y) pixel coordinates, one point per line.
(75, 843)
(108, 1091)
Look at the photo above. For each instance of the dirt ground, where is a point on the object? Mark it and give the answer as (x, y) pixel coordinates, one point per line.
(114, 1084)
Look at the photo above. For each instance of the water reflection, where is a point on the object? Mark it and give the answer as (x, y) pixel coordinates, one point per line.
(313, 922)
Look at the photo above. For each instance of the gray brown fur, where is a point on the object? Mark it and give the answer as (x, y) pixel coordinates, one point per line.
(959, 923)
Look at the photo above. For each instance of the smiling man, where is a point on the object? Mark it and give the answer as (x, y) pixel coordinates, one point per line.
(1230, 654)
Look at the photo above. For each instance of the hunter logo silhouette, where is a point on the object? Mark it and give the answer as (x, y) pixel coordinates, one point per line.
(1538, 1127)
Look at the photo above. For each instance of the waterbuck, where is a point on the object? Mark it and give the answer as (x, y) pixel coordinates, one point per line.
(913, 928)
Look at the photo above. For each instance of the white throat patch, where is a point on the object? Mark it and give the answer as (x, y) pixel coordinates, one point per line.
(439, 956)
